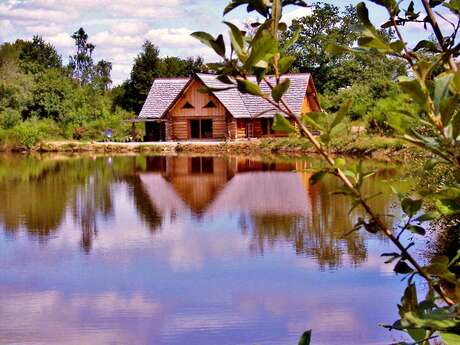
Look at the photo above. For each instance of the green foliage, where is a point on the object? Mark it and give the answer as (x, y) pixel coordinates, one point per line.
(147, 67)
(37, 55)
(328, 25)
(39, 100)
(9, 118)
(28, 133)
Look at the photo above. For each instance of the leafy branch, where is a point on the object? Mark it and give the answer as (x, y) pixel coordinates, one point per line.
(437, 96)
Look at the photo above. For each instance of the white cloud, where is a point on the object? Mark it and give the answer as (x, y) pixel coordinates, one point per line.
(107, 40)
(129, 27)
(33, 11)
(6, 28)
(44, 30)
(295, 14)
(177, 37)
(61, 40)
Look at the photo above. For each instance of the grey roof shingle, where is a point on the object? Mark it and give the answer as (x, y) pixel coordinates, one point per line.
(162, 93)
(165, 91)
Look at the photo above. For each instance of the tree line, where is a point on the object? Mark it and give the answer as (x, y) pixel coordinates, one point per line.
(42, 98)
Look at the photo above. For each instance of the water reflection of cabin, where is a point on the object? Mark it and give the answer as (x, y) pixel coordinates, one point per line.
(198, 181)
(176, 110)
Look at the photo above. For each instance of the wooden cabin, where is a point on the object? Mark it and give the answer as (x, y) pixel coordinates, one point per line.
(176, 110)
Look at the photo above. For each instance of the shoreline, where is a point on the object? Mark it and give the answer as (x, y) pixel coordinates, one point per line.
(393, 153)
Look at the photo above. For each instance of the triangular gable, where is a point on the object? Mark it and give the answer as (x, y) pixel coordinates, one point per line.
(186, 96)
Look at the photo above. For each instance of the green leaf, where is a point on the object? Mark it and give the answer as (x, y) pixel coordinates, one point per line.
(217, 44)
(439, 321)
(316, 177)
(416, 229)
(441, 88)
(236, 37)
(454, 6)
(399, 122)
(246, 86)
(428, 216)
(306, 338)
(262, 51)
(390, 5)
(402, 268)
(426, 45)
(333, 48)
(339, 163)
(291, 41)
(397, 46)
(448, 207)
(414, 90)
(439, 266)
(203, 37)
(285, 63)
(450, 338)
(411, 206)
(234, 4)
(343, 111)
(280, 89)
(313, 119)
(455, 123)
(417, 334)
(363, 15)
(280, 123)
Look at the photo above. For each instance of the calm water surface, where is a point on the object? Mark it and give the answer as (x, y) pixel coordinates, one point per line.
(187, 250)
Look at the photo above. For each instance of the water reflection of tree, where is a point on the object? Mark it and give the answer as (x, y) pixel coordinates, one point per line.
(144, 207)
(92, 199)
(38, 191)
(35, 201)
(320, 235)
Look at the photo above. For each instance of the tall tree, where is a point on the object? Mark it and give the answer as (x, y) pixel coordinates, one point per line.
(82, 62)
(147, 67)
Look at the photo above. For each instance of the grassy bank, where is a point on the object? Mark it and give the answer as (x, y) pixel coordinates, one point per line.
(377, 147)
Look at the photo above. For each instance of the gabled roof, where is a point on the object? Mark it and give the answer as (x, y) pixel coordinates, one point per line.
(165, 92)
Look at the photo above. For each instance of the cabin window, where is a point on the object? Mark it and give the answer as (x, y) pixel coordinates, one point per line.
(266, 125)
(210, 105)
(187, 105)
(201, 129)
(202, 165)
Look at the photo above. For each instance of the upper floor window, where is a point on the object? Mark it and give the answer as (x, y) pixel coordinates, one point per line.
(210, 105)
(187, 105)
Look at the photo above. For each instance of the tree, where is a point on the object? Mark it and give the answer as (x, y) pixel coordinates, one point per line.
(147, 67)
(81, 63)
(173, 66)
(327, 24)
(37, 55)
(52, 95)
(101, 75)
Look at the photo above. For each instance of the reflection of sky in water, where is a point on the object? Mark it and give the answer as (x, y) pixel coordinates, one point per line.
(195, 280)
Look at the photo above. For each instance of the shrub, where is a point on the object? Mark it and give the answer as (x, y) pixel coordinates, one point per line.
(28, 133)
(9, 118)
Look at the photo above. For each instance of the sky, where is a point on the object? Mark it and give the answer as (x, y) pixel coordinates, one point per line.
(118, 28)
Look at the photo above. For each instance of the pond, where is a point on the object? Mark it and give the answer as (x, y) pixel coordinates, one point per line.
(188, 250)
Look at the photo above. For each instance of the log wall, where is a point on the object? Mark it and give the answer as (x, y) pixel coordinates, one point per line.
(179, 116)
